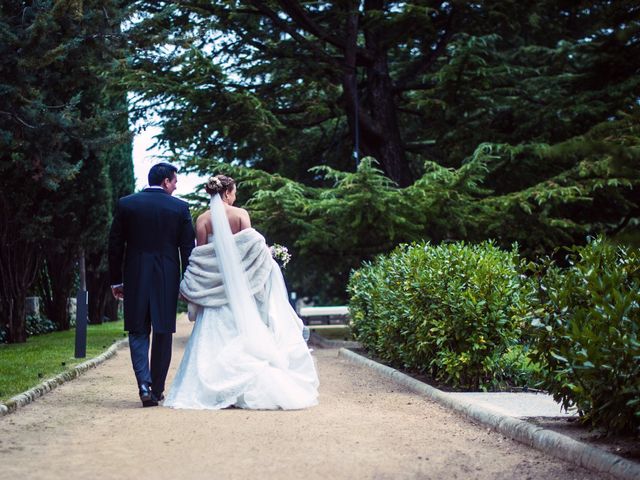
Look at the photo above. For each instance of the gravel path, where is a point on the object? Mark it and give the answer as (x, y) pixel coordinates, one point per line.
(366, 427)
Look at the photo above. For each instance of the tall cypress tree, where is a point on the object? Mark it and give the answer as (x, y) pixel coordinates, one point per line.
(54, 126)
(84, 205)
(119, 181)
(34, 124)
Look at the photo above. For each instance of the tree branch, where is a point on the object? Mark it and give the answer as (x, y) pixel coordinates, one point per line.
(349, 83)
(299, 15)
(427, 61)
(303, 21)
(303, 123)
(285, 27)
(13, 115)
(414, 86)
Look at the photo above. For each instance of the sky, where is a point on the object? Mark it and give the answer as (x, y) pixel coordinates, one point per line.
(143, 160)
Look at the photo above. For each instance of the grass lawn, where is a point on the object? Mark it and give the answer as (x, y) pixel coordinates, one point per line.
(24, 365)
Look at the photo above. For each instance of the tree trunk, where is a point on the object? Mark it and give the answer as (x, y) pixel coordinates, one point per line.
(19, 262)
(56, 282)
(374, 109)
(97, 301)
(350, 78)
(18, 269)
(384, 143)
(98, 288)
(388, 146)
(13, 313)
(112, 308)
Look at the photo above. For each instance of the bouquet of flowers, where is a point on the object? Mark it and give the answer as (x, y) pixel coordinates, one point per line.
(281, 254)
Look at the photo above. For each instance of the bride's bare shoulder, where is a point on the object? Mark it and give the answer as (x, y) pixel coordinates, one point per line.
(203, 217)
(239, 218)
(237, 211)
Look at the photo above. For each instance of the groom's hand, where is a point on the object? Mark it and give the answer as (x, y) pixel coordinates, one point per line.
(118, 292)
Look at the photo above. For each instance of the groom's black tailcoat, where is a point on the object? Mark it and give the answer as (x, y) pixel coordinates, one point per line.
(151, 237)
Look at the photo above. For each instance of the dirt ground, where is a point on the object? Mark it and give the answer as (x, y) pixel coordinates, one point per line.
(626, 446)
(366, 427)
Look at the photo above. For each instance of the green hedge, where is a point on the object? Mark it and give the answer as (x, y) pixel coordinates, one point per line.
(585, 335)
(454, 311)
(475, 316)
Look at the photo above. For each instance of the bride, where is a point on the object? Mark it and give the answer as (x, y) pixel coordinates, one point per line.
(246, 349)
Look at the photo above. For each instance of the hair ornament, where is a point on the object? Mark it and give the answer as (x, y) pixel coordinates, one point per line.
(214, 183)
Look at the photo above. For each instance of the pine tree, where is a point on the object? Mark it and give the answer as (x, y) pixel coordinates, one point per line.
(510, 120)
(278, 84)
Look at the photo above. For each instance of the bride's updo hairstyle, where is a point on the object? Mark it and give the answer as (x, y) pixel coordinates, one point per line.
(219, 184)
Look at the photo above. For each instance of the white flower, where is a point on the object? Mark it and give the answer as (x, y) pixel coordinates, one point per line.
(280, 253)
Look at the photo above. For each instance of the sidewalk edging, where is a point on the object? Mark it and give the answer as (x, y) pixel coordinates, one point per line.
(30, 395)
(320, 341)
(548, 441)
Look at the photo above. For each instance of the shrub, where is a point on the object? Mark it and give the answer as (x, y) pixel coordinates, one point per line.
(453, 311)
(37, 325)
(586, 321)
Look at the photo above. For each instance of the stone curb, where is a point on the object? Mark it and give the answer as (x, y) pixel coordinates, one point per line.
(319, 341)
(540, 438)
(29, 396)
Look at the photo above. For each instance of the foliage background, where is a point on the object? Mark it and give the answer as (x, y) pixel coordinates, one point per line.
(64, 153)
(477, 317)
(505, 120)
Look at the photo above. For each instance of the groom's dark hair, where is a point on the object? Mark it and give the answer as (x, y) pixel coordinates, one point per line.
(159, 172)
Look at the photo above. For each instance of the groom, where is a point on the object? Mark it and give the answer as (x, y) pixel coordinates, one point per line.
(151, 238)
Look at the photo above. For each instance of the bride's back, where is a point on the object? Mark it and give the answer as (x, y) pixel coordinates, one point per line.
(238, 220)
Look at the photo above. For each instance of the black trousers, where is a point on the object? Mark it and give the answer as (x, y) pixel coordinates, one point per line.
(154, 374)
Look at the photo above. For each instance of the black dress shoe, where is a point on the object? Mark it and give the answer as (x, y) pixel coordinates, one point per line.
(146, 396)
(158, 396)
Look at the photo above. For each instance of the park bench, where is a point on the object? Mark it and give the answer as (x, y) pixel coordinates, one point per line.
(328, 315)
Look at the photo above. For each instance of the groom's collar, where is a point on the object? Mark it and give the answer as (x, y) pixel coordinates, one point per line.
(155, 188)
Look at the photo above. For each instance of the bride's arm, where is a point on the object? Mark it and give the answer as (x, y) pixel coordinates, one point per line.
(201, 230)
(245, 220)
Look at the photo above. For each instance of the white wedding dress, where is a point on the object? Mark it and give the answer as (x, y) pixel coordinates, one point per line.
(247, 348)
